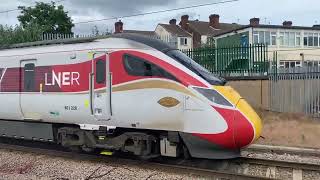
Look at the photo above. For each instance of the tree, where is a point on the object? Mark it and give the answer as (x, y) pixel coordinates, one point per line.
(51, 18)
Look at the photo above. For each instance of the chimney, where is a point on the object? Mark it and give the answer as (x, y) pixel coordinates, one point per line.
(173, 22)
(214, 21)
(184, 22)
(254, 22)
(118, 27)
(316, 26)
(287, 23)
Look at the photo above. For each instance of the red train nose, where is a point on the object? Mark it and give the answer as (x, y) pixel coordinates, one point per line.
(248, 124)
(240, 132)
(243, 130)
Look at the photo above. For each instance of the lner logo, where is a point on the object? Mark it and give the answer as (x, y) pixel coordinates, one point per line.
(62, 78)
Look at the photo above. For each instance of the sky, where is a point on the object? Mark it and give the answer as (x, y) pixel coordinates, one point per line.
(301, 12)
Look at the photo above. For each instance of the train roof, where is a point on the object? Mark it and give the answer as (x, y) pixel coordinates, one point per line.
(115, 41)
(149, 41)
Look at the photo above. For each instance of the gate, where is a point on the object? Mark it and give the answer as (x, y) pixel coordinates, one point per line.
(295, 90)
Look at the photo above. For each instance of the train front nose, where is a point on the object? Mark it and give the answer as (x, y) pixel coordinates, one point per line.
(246, 125)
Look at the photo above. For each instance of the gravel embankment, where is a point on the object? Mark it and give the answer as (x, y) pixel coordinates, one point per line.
(283, 173)
(15, 165)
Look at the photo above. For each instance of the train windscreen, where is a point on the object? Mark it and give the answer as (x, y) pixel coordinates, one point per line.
(195, 67)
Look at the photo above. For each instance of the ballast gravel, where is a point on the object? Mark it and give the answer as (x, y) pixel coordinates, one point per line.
(16, 165)
(282, 157)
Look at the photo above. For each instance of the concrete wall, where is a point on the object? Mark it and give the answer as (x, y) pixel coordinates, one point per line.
(256, 92)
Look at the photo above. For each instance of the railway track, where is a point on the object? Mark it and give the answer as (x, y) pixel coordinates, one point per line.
(240, 168)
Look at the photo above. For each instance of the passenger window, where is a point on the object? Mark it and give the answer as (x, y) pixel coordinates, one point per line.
(29, 77)
(136, 66)
(100, 71)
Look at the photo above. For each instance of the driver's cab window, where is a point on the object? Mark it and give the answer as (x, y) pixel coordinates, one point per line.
(136, 66)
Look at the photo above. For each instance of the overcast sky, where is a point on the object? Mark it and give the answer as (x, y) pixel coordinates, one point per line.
(301, 12)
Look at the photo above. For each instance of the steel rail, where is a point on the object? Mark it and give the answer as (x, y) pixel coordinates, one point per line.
(51, 151)
(283, 149)
(280, 163)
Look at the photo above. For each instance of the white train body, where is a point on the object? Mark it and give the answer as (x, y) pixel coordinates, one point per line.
(121, 82)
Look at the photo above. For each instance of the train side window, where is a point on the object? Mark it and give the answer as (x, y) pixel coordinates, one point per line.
(100, 71)
(136, 66)
(29, 77)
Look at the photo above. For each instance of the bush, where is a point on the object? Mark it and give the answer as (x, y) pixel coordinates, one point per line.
(17, 34)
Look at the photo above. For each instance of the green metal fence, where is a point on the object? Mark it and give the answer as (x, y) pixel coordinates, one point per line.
(251, 60)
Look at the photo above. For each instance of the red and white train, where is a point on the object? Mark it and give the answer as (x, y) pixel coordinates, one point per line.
(124, 93)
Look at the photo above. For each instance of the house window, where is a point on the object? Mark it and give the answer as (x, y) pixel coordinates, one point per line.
(281, 64)
(29, 77)
(273, 38)
(136, 66)
(298, 39)
(290, 64)
(261, 37)
(281, 38)
(290, 39)
(311, 39)
(255, 37)
(315, 39)
(312, 63)
(264, 37)
(305, 40)
(268, 38)
(100, 71)
(183, 41)
(286, 39)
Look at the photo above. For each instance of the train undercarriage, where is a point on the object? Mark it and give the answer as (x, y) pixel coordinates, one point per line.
(143, 143)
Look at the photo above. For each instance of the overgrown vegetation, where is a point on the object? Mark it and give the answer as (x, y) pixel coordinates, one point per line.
(18, 34)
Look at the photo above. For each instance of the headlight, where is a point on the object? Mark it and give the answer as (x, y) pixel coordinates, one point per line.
(214, 96)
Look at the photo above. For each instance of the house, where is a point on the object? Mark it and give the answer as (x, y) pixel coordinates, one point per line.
(174, 35)
(169, 33)
(297, 46)
(188, 34)
(203, 31)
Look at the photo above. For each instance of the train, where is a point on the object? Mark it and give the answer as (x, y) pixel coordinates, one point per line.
(123, 93)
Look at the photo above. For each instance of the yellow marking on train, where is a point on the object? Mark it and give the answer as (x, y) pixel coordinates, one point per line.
(86, 103)
(106, 153)
(243, 106)
(41, 87)
(90, 55)
(102, 137)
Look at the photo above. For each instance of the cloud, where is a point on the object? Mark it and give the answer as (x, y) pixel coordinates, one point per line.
(273, 11)
(116, 7)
